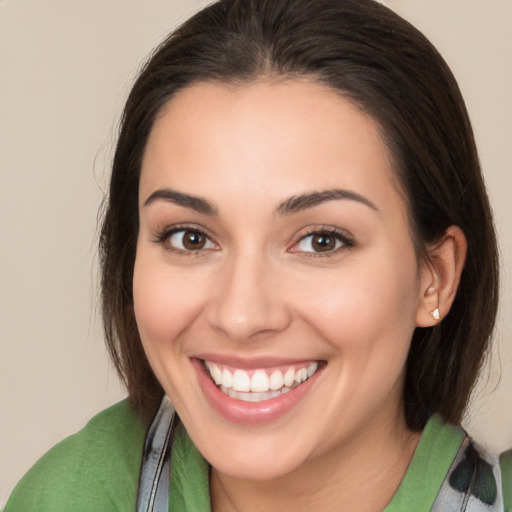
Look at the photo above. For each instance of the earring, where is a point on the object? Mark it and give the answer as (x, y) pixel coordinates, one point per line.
(435, 314)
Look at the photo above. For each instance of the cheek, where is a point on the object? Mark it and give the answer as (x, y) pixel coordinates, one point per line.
(368, 318)
(164, 304)
(152, 304)
(368, 308)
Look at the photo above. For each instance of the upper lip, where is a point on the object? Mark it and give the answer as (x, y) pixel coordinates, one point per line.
(253, 363)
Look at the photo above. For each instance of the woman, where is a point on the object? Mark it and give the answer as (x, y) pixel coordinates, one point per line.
(298, 254)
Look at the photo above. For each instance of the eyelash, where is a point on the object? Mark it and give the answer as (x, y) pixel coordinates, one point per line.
(329, 232)
(164, 236)
(340, 236)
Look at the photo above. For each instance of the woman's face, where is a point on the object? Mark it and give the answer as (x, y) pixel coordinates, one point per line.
(275, 255)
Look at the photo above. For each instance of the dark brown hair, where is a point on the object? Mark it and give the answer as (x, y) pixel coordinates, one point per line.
(389, 70)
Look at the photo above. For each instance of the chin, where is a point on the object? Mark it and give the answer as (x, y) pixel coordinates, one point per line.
(257, 469)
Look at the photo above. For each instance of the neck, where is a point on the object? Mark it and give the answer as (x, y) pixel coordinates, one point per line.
(360, 476)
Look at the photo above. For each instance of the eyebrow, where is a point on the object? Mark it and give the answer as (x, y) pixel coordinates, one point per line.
(198, 204)
(290, 206)
(306, 201)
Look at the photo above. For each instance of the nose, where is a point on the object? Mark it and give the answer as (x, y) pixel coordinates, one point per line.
(248, 303)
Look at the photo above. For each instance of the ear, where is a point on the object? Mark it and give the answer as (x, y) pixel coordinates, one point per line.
(440, 277)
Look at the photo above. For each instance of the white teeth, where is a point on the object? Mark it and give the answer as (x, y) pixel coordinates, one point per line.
(241, 381)
(260, 382)
(227, 378)
(260, 386)
(251, 397)
(276, 380)
(216, 374)
(289, 377)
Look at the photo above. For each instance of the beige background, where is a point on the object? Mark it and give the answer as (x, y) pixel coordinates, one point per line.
(65, 69)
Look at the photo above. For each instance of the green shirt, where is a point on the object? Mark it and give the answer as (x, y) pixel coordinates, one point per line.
(97, 470)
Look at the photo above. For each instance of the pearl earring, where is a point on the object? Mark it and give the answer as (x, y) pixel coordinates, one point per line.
(435, 314)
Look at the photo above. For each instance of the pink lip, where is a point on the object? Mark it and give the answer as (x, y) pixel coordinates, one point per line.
(250, 413)
(251, 364)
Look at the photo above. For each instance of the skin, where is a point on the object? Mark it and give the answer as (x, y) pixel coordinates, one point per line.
(257, 288)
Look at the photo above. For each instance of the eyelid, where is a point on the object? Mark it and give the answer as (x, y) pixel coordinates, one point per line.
(343, 236)
(163, 235)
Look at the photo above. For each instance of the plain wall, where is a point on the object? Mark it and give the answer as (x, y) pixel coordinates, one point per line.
(65, 70)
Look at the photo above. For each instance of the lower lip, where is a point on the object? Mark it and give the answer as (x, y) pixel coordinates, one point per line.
(250, 413)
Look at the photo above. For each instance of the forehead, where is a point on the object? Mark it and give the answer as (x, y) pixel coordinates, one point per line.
(269, 138)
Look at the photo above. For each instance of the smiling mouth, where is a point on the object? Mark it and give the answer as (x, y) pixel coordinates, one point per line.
(260, 384)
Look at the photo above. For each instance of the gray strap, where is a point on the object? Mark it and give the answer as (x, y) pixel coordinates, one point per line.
(473, 483)
(153, 495)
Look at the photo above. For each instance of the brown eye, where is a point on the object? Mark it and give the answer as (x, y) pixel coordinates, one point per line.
(189, 240)
(322, 242)
(193, 241)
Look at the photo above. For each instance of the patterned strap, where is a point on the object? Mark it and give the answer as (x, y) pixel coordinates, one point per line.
(473, 483)
(153, 495)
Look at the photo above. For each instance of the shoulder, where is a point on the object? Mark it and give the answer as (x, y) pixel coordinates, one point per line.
(478, 479)
(449, 471)
(506, 474)
(94, 469)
